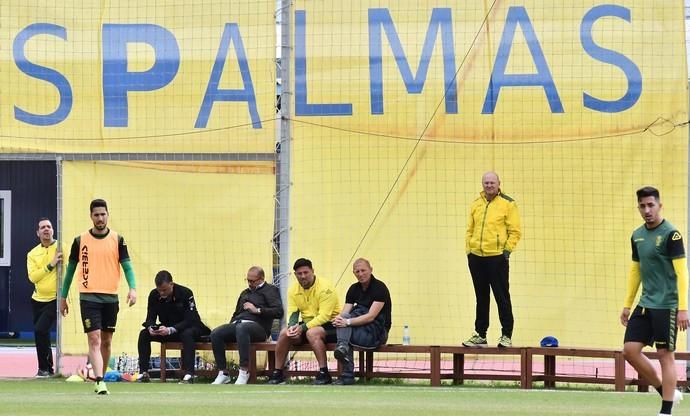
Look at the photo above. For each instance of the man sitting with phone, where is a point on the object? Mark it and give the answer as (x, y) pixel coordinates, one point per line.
(174, 305)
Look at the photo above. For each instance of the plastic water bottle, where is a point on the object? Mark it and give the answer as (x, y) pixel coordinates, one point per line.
(406, 335)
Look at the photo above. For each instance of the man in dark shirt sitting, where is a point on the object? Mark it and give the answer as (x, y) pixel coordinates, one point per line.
(365, 319)
(257, 307)
(174, 305)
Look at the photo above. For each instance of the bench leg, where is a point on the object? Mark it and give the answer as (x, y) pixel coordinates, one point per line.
(549, 371)
(458, 368)
(252, 365)
(370, 365)
(271, 360)
(526, 366)
(619, 364)
(163, 362)
(435, 363)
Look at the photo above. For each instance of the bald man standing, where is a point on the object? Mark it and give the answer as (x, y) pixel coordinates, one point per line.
(493, 231)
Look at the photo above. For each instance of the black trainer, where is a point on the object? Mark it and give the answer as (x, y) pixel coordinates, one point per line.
(342, 352)
(277, 377)
(323, 378)
(144, 377)
(344, 381)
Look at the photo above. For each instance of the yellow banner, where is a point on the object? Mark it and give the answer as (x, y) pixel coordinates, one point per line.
(206, 223)
(400, 107)
(94, 76)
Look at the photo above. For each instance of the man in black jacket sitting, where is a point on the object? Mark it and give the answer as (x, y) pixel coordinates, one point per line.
(174, 305)
(257, 307)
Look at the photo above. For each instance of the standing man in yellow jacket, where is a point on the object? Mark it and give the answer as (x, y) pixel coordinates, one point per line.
(41, 264)
(493, 231)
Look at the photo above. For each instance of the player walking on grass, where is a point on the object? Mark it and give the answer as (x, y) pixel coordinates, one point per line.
(659, 264)
(99, 252)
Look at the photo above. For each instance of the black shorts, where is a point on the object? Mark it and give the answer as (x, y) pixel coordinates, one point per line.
(331, 335)
(95, 315)
(653, 326)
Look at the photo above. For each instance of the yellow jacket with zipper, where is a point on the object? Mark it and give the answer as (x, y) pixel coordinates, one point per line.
(41, 274)
(492, 226)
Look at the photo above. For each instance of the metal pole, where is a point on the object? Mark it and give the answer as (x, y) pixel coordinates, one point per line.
(687, 232)
(283, 155)
(58, 326)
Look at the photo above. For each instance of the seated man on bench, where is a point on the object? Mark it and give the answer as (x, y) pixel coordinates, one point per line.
(179, 318)
(365, 319)
(257, 306)
(315, 301)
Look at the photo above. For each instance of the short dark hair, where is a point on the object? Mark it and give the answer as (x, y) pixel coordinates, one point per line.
(97, 203)
(163, 276)
(301, 262)
(42, 219)
(259, 271)
(647, 191)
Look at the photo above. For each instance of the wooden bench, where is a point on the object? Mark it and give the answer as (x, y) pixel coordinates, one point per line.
(435, 375)
(365, 368)
(550, 377)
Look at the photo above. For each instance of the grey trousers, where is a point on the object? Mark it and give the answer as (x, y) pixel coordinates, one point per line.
(243, 333)
(369, 336)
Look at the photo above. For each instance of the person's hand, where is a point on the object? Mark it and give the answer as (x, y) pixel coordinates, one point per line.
(294, 331)
(682, 320)
(57, 259)
(64, 308)
(248, 306)
(163, 331)
(625, 314)
(131, 297)
(339, 322)
(506, 254)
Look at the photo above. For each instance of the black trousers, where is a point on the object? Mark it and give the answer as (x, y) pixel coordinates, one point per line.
(45, 315)
(490, 274)
(188, 337)
(243, 333)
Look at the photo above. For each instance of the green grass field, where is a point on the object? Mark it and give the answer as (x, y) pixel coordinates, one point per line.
(58, 398)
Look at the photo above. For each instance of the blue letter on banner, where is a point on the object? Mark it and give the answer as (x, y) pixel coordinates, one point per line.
(440, 18)
(117, 81)
(518, 16)
(44, 73)
(213, 94)
(302, 107)
(632, 72)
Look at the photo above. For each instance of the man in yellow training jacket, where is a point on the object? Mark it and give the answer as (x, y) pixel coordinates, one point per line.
(493, 231)
(312, 305)
(41, 264)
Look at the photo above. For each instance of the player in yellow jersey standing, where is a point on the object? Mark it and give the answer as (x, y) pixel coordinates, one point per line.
(99, 253)
(41, 264)
(658, 263)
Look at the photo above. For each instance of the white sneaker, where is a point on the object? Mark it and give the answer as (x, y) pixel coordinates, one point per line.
(187, 379)
(221, 379)
(243, 377)
(677, 396)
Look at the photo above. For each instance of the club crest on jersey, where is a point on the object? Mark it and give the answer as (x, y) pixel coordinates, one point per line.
(659, 240)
